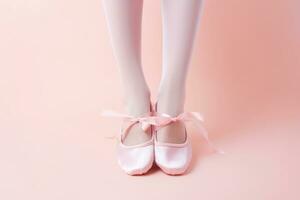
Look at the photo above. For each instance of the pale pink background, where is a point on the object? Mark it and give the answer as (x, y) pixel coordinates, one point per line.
(57, 73)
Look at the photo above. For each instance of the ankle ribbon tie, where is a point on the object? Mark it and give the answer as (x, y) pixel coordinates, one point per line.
(160, 120)
(146, 120)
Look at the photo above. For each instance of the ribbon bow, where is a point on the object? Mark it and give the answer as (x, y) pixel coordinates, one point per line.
(146, 121)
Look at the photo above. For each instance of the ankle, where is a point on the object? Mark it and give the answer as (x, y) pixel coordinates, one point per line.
(171, 102)
(137, 104)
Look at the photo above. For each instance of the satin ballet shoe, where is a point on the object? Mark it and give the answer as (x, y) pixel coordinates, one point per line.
(134, 159)
(171, 158)
(174, 159)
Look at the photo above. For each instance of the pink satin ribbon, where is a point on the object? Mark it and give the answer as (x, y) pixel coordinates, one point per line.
(161, 120)
(146, 121)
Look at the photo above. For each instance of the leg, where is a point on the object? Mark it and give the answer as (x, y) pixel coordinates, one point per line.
(180, 20)
(124, 19)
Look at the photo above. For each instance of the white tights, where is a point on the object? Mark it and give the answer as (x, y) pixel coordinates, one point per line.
(180, 21)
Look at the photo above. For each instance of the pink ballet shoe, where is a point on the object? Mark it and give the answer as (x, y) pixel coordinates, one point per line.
(174, 159)
(134, 159)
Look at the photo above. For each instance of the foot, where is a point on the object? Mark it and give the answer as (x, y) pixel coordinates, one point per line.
(137, 106)
(173, 132)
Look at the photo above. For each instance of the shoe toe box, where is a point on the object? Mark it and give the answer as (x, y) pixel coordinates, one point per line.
(135, 161)
(173, 160)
